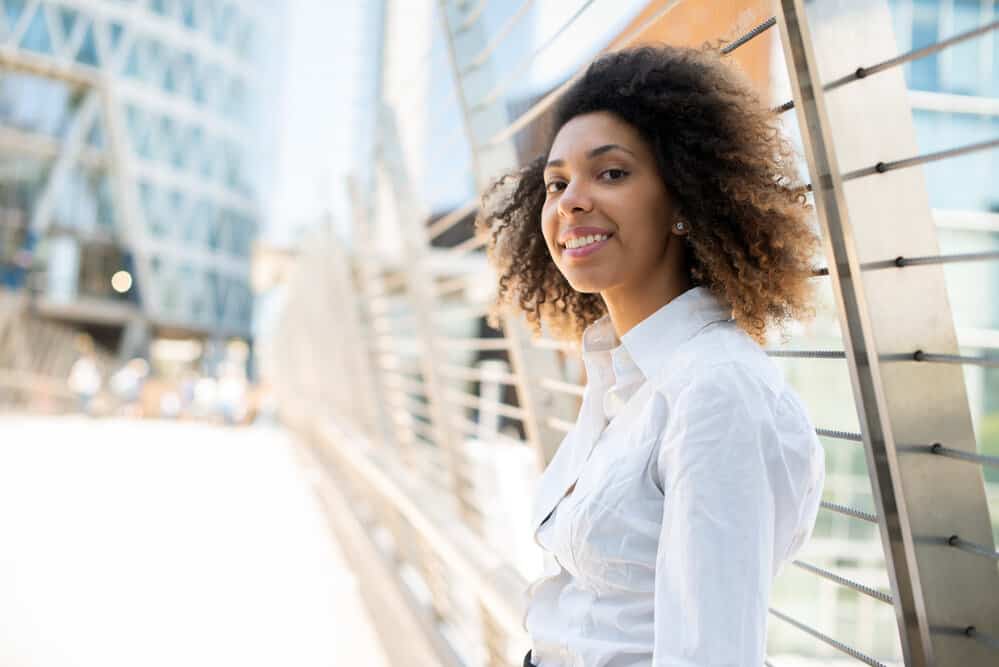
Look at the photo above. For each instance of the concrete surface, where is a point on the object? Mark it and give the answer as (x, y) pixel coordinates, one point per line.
(127, 543)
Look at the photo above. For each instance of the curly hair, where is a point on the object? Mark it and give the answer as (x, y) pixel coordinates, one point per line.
(726, 167)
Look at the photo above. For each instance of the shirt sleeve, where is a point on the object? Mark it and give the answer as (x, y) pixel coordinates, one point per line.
(714, 561)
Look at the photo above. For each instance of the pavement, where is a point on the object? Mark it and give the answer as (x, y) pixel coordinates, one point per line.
(128, 543)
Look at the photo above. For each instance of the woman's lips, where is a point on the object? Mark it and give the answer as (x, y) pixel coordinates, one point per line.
(586, 250)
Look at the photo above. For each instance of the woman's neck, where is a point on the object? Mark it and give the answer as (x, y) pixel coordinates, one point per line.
(627, 307)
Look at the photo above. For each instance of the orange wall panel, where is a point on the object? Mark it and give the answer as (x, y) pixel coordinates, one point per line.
(696, 22)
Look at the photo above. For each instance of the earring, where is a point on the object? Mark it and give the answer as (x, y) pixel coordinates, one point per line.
(680, 226)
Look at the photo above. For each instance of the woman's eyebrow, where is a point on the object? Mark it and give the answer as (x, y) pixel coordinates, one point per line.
(599, 150)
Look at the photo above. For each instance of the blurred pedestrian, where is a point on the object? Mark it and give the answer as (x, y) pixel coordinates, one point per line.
(232, 394)
(126, 385)
(85, 382)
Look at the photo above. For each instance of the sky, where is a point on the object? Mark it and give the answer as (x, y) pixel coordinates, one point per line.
(316, 108)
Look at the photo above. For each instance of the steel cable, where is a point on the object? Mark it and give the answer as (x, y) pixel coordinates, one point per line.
(849, 511)
(850, 651)
(498, 37)
(524, 65)
(863, 72)
(843, 581)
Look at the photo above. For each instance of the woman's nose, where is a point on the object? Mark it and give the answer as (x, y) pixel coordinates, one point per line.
(575, 199)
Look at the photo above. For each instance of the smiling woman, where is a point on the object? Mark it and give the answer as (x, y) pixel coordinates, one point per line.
(662, 231)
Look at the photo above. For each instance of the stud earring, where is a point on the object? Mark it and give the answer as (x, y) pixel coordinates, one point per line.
(680, 226)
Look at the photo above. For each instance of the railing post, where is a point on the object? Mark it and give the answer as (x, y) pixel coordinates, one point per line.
(421, 289)
(531, 364)
(343, 316)
(903, 405)
(495, 640)
(364, 275)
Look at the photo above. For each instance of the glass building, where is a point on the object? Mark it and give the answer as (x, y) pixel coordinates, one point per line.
(129, 139)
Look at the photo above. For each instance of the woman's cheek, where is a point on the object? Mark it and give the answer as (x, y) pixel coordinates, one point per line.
(548, 232)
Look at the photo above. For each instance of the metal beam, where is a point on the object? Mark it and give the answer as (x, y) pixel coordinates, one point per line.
(76, 137)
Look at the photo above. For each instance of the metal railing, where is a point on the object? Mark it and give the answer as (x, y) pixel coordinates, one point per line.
(427, 420)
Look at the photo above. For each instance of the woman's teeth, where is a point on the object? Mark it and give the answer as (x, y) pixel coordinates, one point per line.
(581, 241)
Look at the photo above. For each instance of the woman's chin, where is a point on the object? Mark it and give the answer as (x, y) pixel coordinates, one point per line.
(587, 286)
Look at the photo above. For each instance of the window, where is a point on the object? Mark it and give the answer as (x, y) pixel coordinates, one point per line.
(924, 73)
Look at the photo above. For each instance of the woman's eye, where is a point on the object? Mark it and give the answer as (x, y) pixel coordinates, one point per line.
(614, 174)
(554, 186)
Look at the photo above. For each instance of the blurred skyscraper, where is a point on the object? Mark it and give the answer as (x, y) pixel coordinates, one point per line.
(133, 152)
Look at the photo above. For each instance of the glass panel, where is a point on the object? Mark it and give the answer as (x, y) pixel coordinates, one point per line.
(152, 205)
(193, 149)
(67, 18)
(22, 179)
(167, 138)
(196, 222)
(157, 55)
(132, 65)
(95, 138)
(215, 287)
(169, 80)
(963, 72)
(186, 276)
(188, 15)
(175, 210)
(215, 229)
(924, 73)
(115, 30)
(37, 37)
(88, 49)
(105, 205)
(208, 159)
(13, 9)
(20, 182)
(76, 202)
(224, 20)
(198, 85)
(995, 60)
(36, 104)
(966, 182)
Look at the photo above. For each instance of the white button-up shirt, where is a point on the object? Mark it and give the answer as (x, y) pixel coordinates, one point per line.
(697, 475)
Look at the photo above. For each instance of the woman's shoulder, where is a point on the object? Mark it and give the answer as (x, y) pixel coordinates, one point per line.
(716, 356)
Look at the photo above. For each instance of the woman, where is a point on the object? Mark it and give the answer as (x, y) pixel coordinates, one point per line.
(662, 230)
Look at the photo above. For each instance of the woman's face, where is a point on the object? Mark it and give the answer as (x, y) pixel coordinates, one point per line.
(607, 215)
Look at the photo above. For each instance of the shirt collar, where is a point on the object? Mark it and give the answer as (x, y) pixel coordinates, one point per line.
(599, 341)
(650, 341)
(624, 366)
